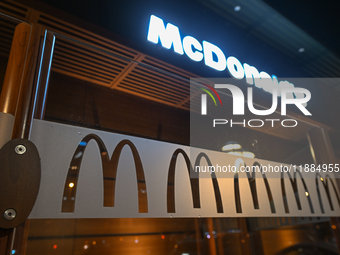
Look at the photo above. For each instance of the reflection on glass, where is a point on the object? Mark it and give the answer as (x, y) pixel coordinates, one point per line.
(180, 236)
(234, 148)
(102, 90)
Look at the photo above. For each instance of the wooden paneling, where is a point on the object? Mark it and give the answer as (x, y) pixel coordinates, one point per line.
(75, 101)
(78, 102)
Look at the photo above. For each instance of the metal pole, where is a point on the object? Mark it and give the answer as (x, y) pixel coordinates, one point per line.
(212, 243)
(15, 69)
(220, 236)
(8, 101)
(25, 106)
(12, 80)
(198, 236)
(245, 236)
(24, 98)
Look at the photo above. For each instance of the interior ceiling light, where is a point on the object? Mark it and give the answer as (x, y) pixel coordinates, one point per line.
(231, 146)
(301, 50)
(235, 153)
(234, 148)
(248, 154)
(237, 8)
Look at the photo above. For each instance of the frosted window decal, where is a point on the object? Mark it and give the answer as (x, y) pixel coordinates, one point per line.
(109, 174)
(129, 177)
(217, 191)
(326, 188)
(293, 183)
(269, 192)
(194, 182)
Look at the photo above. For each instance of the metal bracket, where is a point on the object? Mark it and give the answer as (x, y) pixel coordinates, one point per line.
(20, 173)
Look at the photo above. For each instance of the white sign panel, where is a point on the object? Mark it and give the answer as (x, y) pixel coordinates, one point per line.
(93, 174)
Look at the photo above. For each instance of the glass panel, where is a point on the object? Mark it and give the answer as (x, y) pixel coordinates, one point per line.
(108, 89)
(121, 236)
(295, 236)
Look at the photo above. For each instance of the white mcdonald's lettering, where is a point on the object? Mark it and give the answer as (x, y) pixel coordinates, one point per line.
(169, 36)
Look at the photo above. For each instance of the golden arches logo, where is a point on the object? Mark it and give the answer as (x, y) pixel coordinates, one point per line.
(109, 174)
(110, 168)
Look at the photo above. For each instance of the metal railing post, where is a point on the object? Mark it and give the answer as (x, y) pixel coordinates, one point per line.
(23, 95)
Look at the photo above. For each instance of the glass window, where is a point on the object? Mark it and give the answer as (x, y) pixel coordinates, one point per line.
(126, 92)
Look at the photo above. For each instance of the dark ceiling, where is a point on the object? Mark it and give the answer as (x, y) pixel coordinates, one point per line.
(320, 19)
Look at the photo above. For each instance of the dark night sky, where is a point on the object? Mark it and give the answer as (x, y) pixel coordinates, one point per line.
(318, 18)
